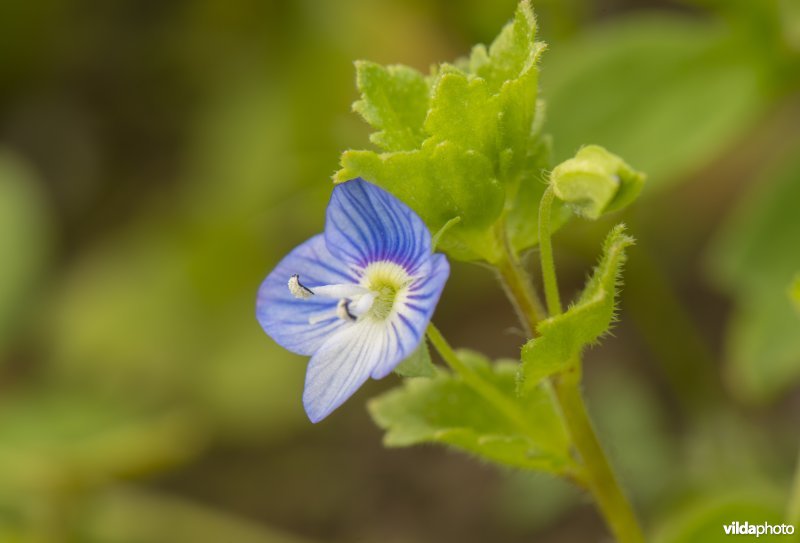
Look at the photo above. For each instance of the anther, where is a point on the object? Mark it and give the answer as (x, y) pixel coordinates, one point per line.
(299, 290)
(343, 310)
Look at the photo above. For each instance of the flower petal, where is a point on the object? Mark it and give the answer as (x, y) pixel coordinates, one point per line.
(343, 363)
(367, 224)
(285, 318)
(412, 315)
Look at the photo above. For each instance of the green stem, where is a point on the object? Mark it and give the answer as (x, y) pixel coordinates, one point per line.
(519, 289)
(505, 405)
(601, 480)
(474, 380)
(546, 254)
(599, 476)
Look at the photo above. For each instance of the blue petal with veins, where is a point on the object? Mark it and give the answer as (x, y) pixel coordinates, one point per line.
(363, 294)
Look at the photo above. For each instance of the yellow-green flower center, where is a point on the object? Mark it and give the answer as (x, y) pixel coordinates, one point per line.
(389, 281)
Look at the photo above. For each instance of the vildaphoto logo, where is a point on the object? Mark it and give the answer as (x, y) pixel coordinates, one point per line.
(745, 528)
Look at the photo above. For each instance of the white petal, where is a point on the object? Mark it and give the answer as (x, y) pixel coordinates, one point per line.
(343, 363)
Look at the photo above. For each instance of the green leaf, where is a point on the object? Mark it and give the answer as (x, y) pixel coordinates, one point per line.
(754, 258)
(439, 182)
(418, 364)
(490, 106)
(448, 411)
(563, 337)
(438, 235)
(510, 69)
(461, 112)
(670, 92)
(476, 151)
(522, 218)
(519, 116)
(394, 100)
(766, 30)
(762, 345)
(513, 51)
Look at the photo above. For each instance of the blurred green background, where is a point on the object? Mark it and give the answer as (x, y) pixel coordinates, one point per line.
(157, 159)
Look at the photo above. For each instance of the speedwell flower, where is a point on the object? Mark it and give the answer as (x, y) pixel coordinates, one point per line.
(356, 298)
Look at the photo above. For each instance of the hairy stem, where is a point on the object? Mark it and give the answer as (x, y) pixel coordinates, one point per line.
(494, 396)
(519, 289)
(504, 404)
(599, 476)
(546, 254)
(601, 480)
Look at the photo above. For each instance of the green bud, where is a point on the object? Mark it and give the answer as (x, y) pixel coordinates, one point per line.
(595, 182)
(794, 292)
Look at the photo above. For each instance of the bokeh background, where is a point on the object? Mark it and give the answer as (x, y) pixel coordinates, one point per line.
(158, 158)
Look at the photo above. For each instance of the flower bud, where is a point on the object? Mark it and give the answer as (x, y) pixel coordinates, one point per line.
(595, 182)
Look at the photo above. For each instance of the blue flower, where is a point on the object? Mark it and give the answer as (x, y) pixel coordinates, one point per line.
(356, 298)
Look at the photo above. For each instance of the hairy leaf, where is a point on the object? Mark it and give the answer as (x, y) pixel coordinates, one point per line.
(447, 410)
(464, 142)
(461, 112)
(394, 100)
(439, 181)
(563, 337)
(510, 53)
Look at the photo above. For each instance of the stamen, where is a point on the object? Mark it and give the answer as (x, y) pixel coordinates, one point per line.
(299, 290)
(340, 291)
(323, 316)
(343, 310)
(362, 304)
(382, 284)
